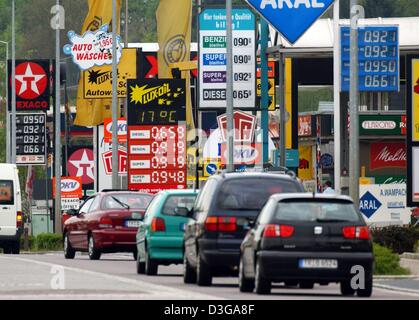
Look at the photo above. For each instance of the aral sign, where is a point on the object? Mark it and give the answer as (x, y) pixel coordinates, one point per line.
(292, 18)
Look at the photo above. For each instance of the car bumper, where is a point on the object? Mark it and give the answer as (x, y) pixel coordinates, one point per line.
(285, 265)
(165, 248)
(214, 256)
(10, 238)
(115, 240)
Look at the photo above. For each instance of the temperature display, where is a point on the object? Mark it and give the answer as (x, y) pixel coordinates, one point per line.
(378, 58)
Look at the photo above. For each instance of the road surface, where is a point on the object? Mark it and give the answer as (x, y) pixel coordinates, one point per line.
(50, 276)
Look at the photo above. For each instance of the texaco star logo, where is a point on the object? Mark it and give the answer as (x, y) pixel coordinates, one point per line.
(31, 80)
(81, 164)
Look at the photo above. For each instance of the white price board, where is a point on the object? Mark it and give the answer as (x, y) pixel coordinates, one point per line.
(213, 59)
(70, 203)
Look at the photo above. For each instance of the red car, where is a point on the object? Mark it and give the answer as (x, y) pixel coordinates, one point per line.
(105, 223)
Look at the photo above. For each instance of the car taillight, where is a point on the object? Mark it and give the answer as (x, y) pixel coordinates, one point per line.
(105, 223)
(222, 224)
(157, 225)
(278, 231)
(356, 233)
(19, 219)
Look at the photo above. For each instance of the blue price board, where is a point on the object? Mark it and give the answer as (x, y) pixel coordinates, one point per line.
(379, 56)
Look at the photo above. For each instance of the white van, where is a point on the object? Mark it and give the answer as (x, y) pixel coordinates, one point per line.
(11, 216)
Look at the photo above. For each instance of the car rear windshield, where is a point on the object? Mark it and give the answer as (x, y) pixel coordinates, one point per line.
(134, 201)
(181, 201)
(6, 192)
(306, 210)
(252, 193)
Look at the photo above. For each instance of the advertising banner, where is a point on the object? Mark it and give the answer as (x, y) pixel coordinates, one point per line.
(306, 169)
(97, 82)
(304, 126)
(388, 155)
(122, 130)
(384, 204)
(382, 125)
(33, 85)
(415, 100)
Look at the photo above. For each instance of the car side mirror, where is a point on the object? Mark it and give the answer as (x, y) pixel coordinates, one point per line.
(137, 216)
(72, 212)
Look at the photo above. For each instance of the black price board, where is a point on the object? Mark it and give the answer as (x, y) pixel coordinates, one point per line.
(31, 139)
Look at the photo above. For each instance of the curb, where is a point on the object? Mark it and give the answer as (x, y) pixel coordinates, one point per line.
(411, 256)
(397, 289)
(39, 252)
(395, 277)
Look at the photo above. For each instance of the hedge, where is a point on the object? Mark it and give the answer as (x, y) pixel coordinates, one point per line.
(387, 262)
(398, 239)
(49, 241)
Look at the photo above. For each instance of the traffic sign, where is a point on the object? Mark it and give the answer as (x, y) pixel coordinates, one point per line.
(378, 58)
(292, 18)
(210, 169)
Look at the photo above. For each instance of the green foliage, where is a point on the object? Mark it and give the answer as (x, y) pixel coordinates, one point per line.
(387, 263)
(49, 241)
(398, 239)
(31, 243)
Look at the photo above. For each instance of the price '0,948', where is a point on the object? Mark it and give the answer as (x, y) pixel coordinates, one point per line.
(168, 177)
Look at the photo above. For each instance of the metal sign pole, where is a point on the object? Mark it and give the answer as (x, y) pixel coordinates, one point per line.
(57, 223)
(264, 30)
(336, 94)
(353, 108)
(13, 120)
(115, 166)
(283, 110)
(229, 93)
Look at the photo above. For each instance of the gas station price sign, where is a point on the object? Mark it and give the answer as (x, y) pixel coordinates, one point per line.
(157, 149)
(31, 139)
(379, 57)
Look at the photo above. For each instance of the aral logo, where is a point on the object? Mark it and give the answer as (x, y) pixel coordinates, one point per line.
(31, 80)
(368, 204)
(69, 185)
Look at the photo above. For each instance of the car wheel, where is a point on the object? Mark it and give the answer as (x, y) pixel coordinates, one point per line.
(140, 266)
(69, 252)
(203, 273)
(189, 274)
(367, 291)
(7, 250)
(263, 285)
(15, 248)
(94, 253)
(346, 289)
(245, 285)
(151, 267)
(306, 285)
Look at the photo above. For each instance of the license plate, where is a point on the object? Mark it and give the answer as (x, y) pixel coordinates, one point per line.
(132, 223)
(318, 264)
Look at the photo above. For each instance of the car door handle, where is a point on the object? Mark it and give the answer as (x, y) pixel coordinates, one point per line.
(5, 208)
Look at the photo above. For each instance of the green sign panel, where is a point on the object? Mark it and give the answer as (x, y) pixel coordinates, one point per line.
(390, 179)
(394, 125)
(215, 42)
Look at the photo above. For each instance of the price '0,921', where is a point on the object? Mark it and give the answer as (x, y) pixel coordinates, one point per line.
(33, 129)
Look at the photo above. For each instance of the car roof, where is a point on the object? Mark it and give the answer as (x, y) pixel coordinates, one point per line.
(306, 195)
(107, 193)
(180, 191)
(245, 175)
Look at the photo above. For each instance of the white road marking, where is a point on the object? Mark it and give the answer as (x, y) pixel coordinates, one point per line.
(154, 290)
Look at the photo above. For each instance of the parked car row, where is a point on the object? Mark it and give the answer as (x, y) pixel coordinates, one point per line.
(260, 227)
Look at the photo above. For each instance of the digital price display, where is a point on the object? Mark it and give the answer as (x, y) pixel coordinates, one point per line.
(157, 149)
(31, 139)
(379, 58)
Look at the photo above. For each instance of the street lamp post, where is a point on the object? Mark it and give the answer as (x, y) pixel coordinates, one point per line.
(7, 100)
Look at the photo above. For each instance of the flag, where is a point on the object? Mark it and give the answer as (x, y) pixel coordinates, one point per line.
(174, 24)
(92, 112)
(29, 181)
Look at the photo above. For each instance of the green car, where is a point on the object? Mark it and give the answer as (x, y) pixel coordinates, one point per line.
(160, 234)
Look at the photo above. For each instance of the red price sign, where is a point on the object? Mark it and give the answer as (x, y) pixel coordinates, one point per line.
(157, 157)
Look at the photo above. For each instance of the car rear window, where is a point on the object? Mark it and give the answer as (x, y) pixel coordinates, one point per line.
(173, 202)
(252, 193)
(306, 210)
(134, 201)
(6, 192)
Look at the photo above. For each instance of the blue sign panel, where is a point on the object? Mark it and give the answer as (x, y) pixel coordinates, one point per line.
(292, 18)
(215, 59)
(368, 204)
(378, 58)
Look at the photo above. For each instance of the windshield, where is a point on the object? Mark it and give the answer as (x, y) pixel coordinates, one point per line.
(6, 192)
(134, 201)
(315, 211)
(174, 202)
(252, 193)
